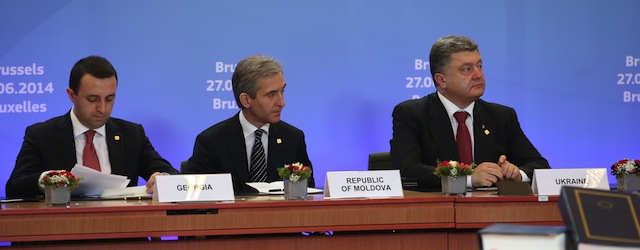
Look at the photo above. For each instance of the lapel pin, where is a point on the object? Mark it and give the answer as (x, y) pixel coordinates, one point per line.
(486, 132)
(117, 137)
(278, 140)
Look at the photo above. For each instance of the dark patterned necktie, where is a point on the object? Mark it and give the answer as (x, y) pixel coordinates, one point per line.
(463, 139)
(258, 169)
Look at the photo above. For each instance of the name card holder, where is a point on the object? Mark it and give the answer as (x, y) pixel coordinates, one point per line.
(550, 181)
(193, 188)
(363, 184)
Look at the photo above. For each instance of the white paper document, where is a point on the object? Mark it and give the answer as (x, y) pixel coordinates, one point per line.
(93, 182)
(127, 192)
(276, 187)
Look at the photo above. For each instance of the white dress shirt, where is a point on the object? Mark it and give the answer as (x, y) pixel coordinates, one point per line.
(451, 109)
(248, 130)
(99, 142)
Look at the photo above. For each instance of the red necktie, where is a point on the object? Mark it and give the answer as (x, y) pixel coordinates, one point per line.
(89, 155)
(463, 139)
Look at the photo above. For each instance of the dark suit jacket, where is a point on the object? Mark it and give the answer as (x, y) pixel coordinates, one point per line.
(50, 145)
(422, 134)
(221, 149)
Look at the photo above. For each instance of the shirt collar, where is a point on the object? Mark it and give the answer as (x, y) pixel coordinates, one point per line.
(79, 128)
(248, 128)
(452, 108)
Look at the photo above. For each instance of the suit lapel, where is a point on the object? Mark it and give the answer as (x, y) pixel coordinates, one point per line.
(237, 148)
(115, 145)
(275, 153)
(483, 136)
(440, 129)
(67, 150)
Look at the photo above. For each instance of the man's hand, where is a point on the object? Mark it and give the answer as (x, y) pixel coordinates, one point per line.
(511, 172)
(486, 174)
(152, 181)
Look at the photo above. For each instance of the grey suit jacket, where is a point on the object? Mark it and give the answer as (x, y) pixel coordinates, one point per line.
(422, 134)
(50, 145)
(221, 149)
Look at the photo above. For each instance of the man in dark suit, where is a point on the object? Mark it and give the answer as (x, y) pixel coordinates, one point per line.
(228, 147)
(121, 147)
(424, 130)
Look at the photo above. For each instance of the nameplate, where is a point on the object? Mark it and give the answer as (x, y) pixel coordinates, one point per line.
(363, 184)
(550, 181)
(194, 188)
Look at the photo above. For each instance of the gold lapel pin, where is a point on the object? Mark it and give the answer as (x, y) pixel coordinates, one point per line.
(486, 131)
(278, 140)
(117, 137)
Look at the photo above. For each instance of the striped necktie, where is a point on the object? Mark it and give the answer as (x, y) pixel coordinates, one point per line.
(258, 169)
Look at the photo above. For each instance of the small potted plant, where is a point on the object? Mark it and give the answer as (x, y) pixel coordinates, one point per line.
(295, 178)
(454, 176)
(58, 185)
(627, 174)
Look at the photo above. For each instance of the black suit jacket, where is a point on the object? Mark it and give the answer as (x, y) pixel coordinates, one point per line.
(50, 145)
(422, 134)
(221, 149)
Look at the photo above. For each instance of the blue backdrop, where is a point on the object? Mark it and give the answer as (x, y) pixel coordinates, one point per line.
(569, 68)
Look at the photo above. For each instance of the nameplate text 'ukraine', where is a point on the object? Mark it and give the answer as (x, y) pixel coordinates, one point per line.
(550, 181)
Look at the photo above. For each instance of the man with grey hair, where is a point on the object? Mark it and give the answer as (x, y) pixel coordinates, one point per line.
(252, 144)
(453, 123)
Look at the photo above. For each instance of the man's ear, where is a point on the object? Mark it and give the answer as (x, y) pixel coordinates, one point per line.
(439, 80)
(245, 100)
(71, 95)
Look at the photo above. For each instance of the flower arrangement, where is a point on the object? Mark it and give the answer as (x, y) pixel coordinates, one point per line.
(625, 166)
(57, 178)
(453, 168)
(294, 172)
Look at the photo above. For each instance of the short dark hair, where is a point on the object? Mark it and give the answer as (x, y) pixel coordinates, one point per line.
(248, 71)
(96, 66)
(441, 51)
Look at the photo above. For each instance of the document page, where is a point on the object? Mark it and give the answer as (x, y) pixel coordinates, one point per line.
(127, 192)
(93, 182)
(276, 187)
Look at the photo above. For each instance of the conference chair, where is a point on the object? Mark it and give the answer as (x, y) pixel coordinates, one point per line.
(183, 165)
(380, 161)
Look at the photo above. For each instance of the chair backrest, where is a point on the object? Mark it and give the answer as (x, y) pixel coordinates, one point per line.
(380, 161)
(183, 165)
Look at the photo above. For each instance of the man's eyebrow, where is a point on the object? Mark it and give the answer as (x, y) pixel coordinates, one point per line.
(467, 64)
(98, 96)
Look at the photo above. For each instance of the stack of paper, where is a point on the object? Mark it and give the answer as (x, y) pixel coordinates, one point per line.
(93, 182)
(127, 192)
